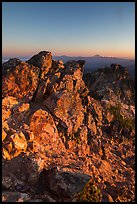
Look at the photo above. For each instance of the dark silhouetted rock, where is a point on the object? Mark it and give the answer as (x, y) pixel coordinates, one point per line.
(43, 60)
(14, 197)
(64, 185)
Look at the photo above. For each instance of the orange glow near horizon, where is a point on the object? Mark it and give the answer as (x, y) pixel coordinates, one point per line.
(106, 29)
(73, 53)
(130, 55)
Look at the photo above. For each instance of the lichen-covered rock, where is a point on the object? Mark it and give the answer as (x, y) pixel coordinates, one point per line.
(90, 193)
(15, 134)
(20, 80)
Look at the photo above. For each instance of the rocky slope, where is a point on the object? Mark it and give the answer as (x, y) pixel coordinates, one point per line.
(65, 139)
(112, 83)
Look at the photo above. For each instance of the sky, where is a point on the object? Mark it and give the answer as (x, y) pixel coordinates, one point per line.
(68, 28)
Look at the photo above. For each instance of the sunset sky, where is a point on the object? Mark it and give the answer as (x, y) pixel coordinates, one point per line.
(68, 28)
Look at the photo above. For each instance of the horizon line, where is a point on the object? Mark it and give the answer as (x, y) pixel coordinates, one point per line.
(63, 55)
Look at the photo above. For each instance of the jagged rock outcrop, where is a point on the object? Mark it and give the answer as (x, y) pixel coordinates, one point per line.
(43, 60)
(112, 83)
(9, 65)
(53, 119)
(115, 90)
(19, 80)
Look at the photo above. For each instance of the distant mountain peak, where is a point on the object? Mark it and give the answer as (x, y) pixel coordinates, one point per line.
(97, 55)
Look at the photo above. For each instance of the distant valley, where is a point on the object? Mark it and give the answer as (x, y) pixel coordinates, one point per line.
(97, 61)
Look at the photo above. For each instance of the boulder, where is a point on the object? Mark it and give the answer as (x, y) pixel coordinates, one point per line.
(62, 184)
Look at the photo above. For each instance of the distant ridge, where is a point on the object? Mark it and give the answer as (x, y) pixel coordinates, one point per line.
(97, 55)
(94, 62)
(97, 61)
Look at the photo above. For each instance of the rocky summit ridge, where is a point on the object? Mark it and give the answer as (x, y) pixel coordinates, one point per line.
(67, 136)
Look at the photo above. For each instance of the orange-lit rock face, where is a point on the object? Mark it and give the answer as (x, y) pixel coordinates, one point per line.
(7, 104)
(14, 115)
(44, 129)
(21, 82)
(42, 122)
(19, 141)
(50, 118)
